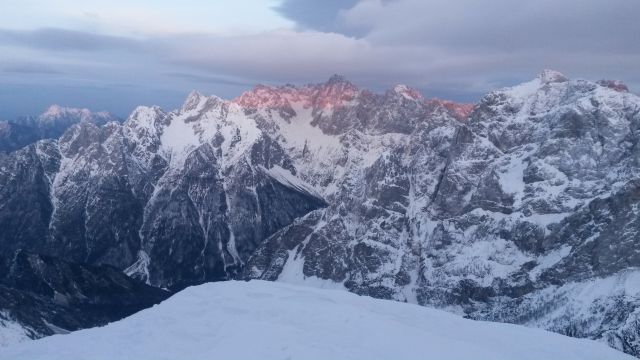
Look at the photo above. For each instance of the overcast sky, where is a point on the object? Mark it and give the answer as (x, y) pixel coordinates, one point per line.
(115, 54)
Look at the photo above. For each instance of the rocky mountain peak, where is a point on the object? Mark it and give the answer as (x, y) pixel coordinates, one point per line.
(339, 82)
(265, 97)
(337, 79)
(57, 111)
(616, 85)
(60, 113)
(146, 114)
(192, 101)
(548, 76)
(145, 123)
(460, 111)
(335, 92)
(407, 92)
(50, 124)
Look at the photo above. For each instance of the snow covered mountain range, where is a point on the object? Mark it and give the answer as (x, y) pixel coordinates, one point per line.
(50, 124)
(523, 208)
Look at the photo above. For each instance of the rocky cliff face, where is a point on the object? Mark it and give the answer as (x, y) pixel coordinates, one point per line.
(173, 199)
(47, 296)
(518, 213)
(523, 208)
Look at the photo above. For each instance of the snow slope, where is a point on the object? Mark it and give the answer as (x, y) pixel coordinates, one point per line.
(11, 332)
(251, 320)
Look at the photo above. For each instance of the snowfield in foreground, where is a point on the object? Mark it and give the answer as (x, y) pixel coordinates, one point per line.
(265, 320)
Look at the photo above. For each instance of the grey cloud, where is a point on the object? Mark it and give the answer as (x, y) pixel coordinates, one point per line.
(281, 56)
(484, 26)
(464, 47)
(209, 79)
(299, 57)
(29, 68)
(313, 14)
(54, 39)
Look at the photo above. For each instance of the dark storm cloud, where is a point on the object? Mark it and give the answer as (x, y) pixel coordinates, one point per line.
(54, 39)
